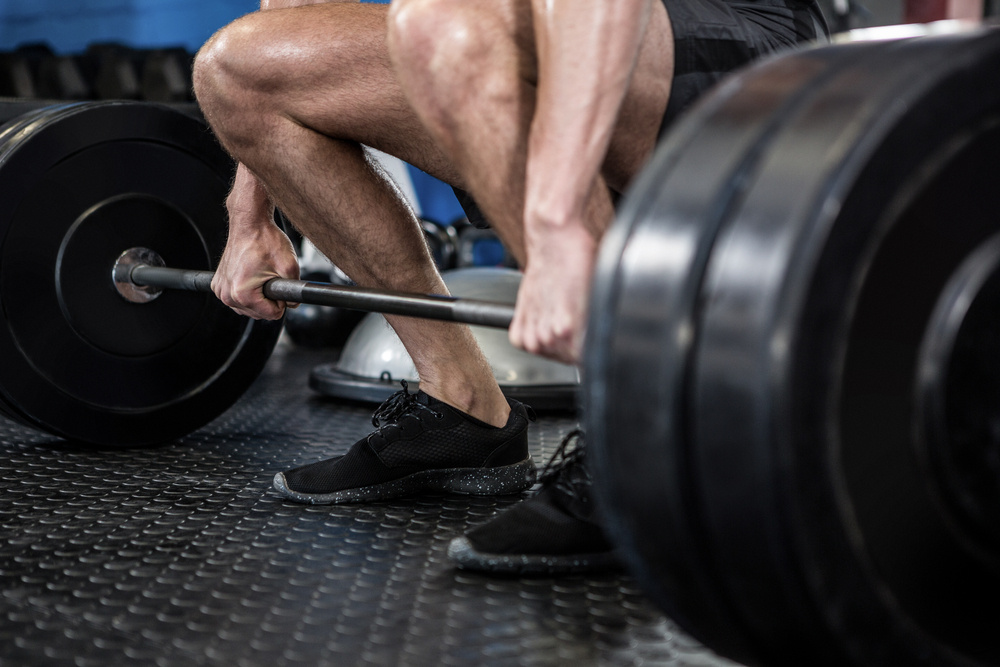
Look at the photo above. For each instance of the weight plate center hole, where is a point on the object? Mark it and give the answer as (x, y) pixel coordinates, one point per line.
(121, 274)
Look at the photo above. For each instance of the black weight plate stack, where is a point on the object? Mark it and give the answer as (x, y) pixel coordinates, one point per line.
(769, 287)
(82, 183)
(640, 337)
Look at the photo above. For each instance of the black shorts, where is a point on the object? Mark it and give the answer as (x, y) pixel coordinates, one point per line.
(714, 37)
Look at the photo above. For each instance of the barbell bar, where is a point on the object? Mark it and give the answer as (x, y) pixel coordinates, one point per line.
(427, 306)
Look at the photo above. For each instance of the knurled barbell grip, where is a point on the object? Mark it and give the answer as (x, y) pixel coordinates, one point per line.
(429, 306)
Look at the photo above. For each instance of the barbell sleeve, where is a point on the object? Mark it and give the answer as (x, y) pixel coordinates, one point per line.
(427, 306)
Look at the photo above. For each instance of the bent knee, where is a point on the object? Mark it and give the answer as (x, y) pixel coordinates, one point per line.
(235, 66)
(415, 24)
(444, 37)
(221, 66)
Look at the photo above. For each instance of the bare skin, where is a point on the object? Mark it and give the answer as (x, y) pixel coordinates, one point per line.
(545, 106)
(293, 92)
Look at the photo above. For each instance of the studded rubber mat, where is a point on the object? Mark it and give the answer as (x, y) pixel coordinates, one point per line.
(183, 555)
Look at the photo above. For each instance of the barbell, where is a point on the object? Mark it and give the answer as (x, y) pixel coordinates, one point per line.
(80, 184)
(91, 191)
(791, 375)
(140, 276)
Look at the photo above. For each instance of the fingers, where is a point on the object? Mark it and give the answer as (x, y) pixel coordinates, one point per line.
(247, 297)
(553, 338)
(246, 266)
(549, 318)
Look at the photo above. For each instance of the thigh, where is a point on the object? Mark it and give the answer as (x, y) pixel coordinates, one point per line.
(327, 67)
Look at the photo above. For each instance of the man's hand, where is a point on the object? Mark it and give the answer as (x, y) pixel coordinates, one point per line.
(253, 256)
(551, 312)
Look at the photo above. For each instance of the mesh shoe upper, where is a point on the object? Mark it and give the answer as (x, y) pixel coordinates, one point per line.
(558, 521)
(415, 432)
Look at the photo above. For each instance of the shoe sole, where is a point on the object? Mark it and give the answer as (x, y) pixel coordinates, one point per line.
(466, 557)
(501, 480)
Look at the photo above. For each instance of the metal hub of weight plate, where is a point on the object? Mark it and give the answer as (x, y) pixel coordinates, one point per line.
(782, 282)
(81, 184)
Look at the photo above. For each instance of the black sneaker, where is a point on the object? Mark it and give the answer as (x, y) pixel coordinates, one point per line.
(553, 532)
(420, 444)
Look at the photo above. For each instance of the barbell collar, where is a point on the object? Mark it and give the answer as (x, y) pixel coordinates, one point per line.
(427, 306)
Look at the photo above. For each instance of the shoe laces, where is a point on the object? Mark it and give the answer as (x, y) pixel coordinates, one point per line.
(565, 469)
(400, 404)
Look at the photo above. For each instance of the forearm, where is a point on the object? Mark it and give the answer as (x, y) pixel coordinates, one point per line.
(256, 250)
(248, 203)
(587, 50)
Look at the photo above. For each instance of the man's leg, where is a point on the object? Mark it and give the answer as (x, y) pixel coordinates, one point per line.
(484, 119)
(293, 94)
(471, 71)
(498, 97)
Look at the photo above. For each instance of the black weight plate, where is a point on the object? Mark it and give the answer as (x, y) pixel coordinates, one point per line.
(12, 110)
(89, 182)
(8, 412)
(959, 391)
(736, 466)
(643, 320)
(15, 116)
(827, 532)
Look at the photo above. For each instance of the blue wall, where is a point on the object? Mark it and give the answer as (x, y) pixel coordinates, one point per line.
(70, 25)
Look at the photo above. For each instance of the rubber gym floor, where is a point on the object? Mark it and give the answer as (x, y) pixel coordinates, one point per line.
(183, 555)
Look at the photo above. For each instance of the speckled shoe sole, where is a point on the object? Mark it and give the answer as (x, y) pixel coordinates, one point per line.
(465, 556)
(494, 481)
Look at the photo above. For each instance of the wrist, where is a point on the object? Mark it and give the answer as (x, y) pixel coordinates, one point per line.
(550, 204)
(556, 219)
(552, 245)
